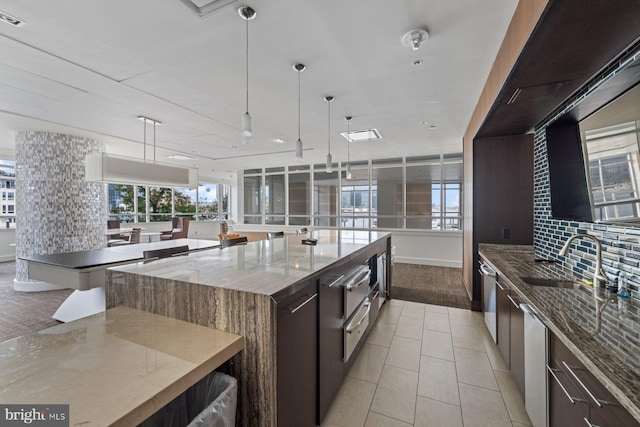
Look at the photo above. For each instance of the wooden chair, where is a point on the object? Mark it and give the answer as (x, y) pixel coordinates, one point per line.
(116, 239)
(233, 242)
(155, 254)
(179, 229)
(275, 235)
(135, 236)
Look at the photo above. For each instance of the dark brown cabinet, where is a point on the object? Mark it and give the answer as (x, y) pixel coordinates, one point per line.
(297, 346)
(576, 397)
(510, 330)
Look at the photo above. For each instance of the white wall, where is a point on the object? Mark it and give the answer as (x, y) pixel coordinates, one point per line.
(7, 244)
(440, 248)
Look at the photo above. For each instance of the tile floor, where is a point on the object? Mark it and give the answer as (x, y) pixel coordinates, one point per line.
(428, 365)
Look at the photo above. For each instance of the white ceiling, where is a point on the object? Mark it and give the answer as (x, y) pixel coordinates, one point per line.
(91, 67)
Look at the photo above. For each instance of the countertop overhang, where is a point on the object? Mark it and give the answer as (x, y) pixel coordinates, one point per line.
(609, 351)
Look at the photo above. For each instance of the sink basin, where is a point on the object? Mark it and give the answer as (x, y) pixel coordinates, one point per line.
(551, 283)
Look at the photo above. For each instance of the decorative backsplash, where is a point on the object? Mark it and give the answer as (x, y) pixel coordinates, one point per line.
(620, 244)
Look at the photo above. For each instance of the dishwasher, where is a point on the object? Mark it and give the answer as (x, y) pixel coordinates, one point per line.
(489, 290)
(535, 367)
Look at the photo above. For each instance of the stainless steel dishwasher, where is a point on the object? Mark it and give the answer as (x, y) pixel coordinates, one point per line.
(535, 367)
(489, 290)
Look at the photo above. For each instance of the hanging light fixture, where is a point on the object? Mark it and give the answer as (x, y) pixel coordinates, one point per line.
(299, 156)
(348, 119)
(329, 159)
(247, 13)
(113, 169)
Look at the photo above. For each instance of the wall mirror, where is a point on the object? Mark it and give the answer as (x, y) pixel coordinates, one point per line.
(610, 141)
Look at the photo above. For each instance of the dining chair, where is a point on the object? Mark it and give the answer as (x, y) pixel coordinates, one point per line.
(134, 237)
(179, 229)
(274, 234)
(233, 242)
(301, 230)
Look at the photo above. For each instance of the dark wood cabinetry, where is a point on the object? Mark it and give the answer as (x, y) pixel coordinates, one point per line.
(510, 330)
(576, 397)
(297, 363)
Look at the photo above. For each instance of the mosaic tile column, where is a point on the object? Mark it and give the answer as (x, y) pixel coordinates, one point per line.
(56, 209)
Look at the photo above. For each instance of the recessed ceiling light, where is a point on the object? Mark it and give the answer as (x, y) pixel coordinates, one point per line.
(362, 135)
(279, 141)
(11, 20)
(232, 146)
(179, 157)
(432, 127)
(417, 62)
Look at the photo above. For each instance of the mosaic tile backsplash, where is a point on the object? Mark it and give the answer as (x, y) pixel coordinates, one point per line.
(620, 244)
(57, 210)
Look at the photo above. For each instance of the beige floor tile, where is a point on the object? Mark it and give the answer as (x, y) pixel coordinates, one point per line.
(467, 337)
(369, 363)
(438, 380)
(461, 316)
(413, 309)
(377, 420)
(351, 406)
(410, 327)
(430, 413)
(395, 396)
(396, 303)
(437, 344)
(437, 321)
(482, 407)
(514, 424)
(495, 357)
(404, 353)
(473, 368)
(389, 314)
(436, 308)
(512, 398)
(382, 334)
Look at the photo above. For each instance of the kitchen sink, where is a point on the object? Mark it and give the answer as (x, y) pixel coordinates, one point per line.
(551, 283)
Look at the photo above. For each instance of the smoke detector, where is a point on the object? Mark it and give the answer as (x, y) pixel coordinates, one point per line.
(415, 37)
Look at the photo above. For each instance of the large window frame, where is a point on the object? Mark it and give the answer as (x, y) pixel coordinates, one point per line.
(365, 189)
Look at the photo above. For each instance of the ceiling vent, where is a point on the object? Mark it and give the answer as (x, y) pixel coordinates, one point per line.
(206, 8)
(362, 135)
(11, 20)
(536, 93)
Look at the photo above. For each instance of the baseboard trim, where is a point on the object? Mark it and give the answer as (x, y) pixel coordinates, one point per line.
(7, 258)
(426, 261)
(34, 286)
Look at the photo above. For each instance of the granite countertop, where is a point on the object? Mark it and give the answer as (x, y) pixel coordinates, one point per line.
(114, 368)
(266, 267)
(608, 344)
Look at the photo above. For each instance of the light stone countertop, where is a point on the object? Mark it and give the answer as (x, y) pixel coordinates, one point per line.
(607, 345)
(114, 368)
(266, 267)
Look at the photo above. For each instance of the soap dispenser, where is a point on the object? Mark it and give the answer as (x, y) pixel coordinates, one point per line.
(623, 291)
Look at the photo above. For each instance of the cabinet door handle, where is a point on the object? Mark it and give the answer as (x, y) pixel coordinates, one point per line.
(573, 374)
(515, 304)
(555, 377)
(502, 288)
(351, 326)
(586, 420)
(375, 295)
(293, 310)
(338, 279)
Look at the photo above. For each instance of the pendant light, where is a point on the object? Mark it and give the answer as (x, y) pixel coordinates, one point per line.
(329, 159)
(247, 13)
(348, 119)
(299, 156)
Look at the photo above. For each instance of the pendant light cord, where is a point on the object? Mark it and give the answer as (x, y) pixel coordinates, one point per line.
(329, 127)
(154, 141)
(299, 104)
(247, 60)
(145, 139)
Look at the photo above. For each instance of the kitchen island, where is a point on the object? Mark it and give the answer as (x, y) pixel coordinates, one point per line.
(244, 290)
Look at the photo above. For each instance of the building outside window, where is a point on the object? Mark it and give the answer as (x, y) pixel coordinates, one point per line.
(299, 195)
(8, 186)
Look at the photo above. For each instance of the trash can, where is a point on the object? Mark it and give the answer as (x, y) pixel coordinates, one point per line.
(212, 401)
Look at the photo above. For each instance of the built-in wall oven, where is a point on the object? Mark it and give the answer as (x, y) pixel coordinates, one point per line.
(489, 294)
(356, 308)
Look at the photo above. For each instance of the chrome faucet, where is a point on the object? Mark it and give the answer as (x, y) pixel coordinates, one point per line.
(599, 275)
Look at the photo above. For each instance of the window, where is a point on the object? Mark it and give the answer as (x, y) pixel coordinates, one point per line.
(130, 203)
(423, 193)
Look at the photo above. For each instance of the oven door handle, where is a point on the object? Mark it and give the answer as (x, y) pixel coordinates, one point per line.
(352, 326)
(358, 281)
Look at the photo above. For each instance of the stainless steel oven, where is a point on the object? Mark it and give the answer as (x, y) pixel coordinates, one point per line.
(356, 308)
